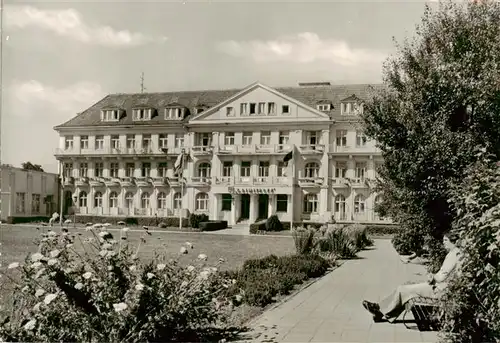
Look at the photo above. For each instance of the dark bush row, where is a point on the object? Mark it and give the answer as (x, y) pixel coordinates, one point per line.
(196, 219)
(22, 220)
(260, 227)
(140, 221)
(382, 229)
(213, 225)
(263, 279)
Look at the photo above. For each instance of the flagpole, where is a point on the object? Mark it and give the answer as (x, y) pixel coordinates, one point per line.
(292, 197)
(182, 188)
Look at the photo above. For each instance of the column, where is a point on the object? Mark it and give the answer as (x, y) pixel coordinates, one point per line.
(272, 204)
(370, 169)
(235, 203)
(291, 207)
(215, 207)
(137, 169)
(325, 139)
(323, 203)
(351, 164)
(253, 208)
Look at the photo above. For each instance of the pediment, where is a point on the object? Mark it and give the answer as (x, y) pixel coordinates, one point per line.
(260, 103)
(351, 98)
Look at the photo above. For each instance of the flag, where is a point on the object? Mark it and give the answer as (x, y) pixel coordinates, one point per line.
(179, 164)
(287, 158)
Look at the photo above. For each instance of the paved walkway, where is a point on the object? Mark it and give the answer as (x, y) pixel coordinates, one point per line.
(330, 310)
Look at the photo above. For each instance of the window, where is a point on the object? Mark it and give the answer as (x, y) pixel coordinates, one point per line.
(359, 204)
(229, 111)
(115, 142)
(312, 138)
(285, 109)
(68, 142)
(177, 201)
(377, 203)
(263, 168)
(199, 110)
(227, 200)
(146, 169)
(110, 115)
(360, 170)
(202, 202)
(351, 108)
(247, 138)
(84, 142)
(252, 108)
(179, 140)
(284, 137)
(262, 108)
(271, 108)
(129, 200)
(265, 137)
(82, 199)
(229, 138)
(113, 200)
(162, 200)
(68, 169)
(227, 169)
(340, 203)
(341, 138)
(376, 169)
(141, 114)
(98, 169)
(204, 169)
(324, 107)
(243, 109)
(35, 203)
(20, 202)
(162, 169)
(84, 169)
(360, 139)
(312, 169)
(340, 170)
(99, 142)
(145, 200)
(98, 199)
(281, 168)
(204, 139)
(130, 141)
(113, 169)
(245, 168)
(162, 140)
(146, 142)
(311, 203)
(174, 113)
(130, 169)
(281, 203)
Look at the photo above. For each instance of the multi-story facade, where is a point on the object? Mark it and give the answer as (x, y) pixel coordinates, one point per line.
(117, 157)
(28, 193)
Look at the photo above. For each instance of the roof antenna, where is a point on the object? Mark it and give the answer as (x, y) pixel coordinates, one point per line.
(142, 83)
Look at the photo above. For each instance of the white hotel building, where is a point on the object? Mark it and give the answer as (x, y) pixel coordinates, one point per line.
(117, 157)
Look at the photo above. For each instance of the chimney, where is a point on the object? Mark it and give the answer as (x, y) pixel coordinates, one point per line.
(313, 84)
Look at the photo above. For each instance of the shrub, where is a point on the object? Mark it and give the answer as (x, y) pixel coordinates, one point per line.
(408, 241)
(338, 242)
(196, 219)
(379, 229)
(260, 227)
(162, 225)
(22, 220)
(101, 292)
(273, 223)
(132, 221)
(213, 225)
(304, 240)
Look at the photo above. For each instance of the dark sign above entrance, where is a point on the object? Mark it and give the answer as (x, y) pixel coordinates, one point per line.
(234, 190)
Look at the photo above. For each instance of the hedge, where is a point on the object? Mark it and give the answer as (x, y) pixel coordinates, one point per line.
(260, 227)
(140, 221)
(22, 220)
(382, 229)
(213, 225)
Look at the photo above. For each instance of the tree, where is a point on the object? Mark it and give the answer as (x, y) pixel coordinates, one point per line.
(441, 101)
(29, 166)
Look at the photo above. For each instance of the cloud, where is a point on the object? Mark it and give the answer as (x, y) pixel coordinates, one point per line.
(67, 100)
(69, 23)
(302, 48)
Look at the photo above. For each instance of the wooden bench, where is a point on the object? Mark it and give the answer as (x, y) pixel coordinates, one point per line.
(426, 312)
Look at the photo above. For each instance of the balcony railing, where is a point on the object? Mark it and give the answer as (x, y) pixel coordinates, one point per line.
(204, 180)
(119, 151)
(254, 149)
(354, 149)
(310, 181)
(312, 148)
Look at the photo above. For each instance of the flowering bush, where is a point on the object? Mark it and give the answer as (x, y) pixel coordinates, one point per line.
(96, 289)
(472, 301)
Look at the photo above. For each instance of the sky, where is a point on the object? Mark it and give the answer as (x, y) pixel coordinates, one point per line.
(59, 58)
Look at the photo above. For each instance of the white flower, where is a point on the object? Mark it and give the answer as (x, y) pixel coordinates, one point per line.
(190, 268)
(78, 285)
(39, 273)
(238, 297)
(69, 245)
(184, 284)
(120, 307)
(213, 269)
(87, 275)
(233, 281)
(132, 268)
(52, 233)
(204, 274)
(25, 289)
(111, 253)
(110, 268)
(202, 257)
(161, 266)
(104, 234)
(13, 265)
(39, 292)
(37, 307)
(150, 275)
(36, 257)
(107, 246)
(49, 298)
(52, 262)
(88, 228)
(184, 250)
(30, 325)
(36, 264)
(190, 245)
(103, 253)
(139, 287)
(125, 229)
(55, 253)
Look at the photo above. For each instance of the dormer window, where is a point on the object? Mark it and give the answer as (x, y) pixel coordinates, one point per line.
(324, 107)
(199, 110)
(351, 108)
(110, 115)
(142, 114)
(174, 113)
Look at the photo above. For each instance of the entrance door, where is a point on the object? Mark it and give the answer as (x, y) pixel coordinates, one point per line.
(263, 206)
(68, 202)
(245, 206)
